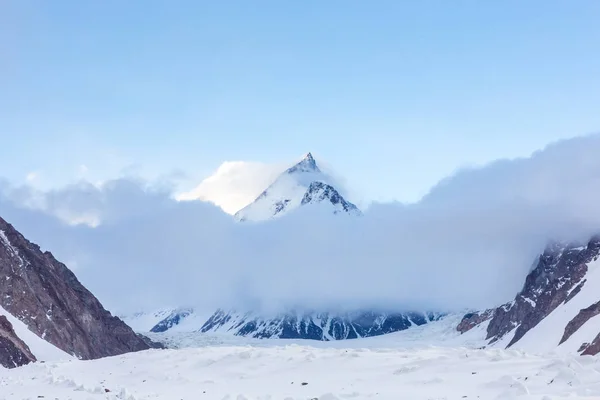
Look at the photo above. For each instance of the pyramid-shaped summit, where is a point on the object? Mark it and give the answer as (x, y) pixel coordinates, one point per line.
(307, 164)
(301, 184)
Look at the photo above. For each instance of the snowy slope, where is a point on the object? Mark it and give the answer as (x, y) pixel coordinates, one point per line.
(302, 184)
(180, 319)
(547, 335)
(41, 349)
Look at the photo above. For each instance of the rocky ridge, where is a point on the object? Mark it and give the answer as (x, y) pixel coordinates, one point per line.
(561, 274)
(45, 295)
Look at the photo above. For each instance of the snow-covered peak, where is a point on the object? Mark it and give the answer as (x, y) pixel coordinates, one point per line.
(307, 164)
(301, 184)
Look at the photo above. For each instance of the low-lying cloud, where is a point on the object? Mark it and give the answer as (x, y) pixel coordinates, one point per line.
(468, 244)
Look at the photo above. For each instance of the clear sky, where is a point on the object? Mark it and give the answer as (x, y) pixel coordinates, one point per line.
(393, 94)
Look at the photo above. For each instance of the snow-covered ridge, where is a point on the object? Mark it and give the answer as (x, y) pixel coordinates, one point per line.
(323, 326)
(310, 325)
(302, 184)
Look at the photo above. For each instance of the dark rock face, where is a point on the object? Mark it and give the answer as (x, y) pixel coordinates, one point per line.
(319, 191)
(581, 318)
(591, 349)
(473, 319)
(315, 326)
(583, 347)
(48, 298)
(559, 269)
(13, 351)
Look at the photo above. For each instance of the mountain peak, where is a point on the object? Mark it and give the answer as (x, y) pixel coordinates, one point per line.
(301, 184)
(307, 164)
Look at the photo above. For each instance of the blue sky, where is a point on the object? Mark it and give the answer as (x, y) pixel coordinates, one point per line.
(394, 95)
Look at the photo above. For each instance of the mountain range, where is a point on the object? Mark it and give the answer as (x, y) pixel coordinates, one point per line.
(302, 185)
(46, 313)
(557, 309)
(553, 287)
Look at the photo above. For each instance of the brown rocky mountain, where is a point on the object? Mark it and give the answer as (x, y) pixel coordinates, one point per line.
(560, 274)
(45, 295)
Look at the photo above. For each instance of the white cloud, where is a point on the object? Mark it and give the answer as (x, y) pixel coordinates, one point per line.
(32, 177)
(469, 243)
(234, 184)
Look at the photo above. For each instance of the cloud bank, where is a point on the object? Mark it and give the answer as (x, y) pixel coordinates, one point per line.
(467, 244)
(234, 185)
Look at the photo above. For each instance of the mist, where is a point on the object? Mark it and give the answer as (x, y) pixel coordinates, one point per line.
(469, 243)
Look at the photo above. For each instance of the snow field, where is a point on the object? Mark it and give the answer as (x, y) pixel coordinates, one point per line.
(296, 372)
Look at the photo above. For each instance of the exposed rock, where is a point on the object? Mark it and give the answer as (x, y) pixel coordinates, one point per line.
(13, 351)
(48, 298)
(473, 319)
(581, 318)
(558, 276)
(593, 348)
(583, 347)
(560, 269)
(319, 191)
